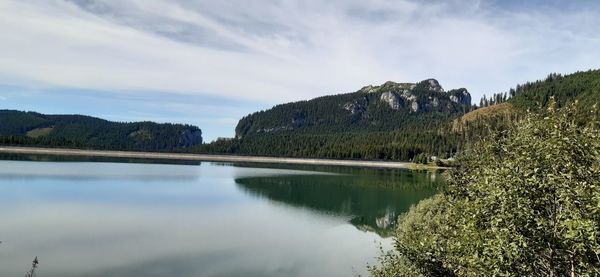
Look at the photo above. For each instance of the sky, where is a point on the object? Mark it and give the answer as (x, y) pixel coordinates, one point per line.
(209, 63)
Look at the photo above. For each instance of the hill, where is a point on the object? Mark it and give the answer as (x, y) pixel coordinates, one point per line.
(389, 107)
(401, 121)
(484, 114)
(393, 121)
(583, 87)
(535, 97)
(30, 128)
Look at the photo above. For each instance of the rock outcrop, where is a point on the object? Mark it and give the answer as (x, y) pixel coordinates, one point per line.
(354, 107)
(415, 97)
(391, 98)
(460, 96)
(434, 85)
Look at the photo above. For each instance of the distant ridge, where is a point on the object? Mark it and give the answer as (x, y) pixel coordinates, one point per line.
(31, 128)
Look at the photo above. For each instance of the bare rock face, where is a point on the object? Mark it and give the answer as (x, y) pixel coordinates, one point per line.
(369, 89)
(397, 95)
(414, 97)
(354, 108)
(434, 85)
(408, 96)
(274, 129)
(460, 96)
(435, 102)
(414, 107)
(392, 99)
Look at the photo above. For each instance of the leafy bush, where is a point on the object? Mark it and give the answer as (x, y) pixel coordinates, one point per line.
(523, 203)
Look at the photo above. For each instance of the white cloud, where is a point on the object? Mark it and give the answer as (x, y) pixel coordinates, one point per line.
(274, 51)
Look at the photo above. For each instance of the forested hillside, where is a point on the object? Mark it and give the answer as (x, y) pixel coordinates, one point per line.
(389, 107)
(392, 121)
(521, 202)
(400, 121)
(30, 128)
(503, 109)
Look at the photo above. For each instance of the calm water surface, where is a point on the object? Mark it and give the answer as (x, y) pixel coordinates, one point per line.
(89, 218)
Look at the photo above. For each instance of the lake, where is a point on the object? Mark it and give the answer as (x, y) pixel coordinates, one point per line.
(86, 217)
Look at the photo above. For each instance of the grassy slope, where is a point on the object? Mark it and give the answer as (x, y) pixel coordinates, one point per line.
(482, 114)
(581, 87)
(39, 132)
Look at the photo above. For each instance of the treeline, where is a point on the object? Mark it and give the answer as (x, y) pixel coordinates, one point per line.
(370, 146)
(512, 106)
(496, 98)
(503, 97)
(386, 134)
(582, 85)
(76, 131)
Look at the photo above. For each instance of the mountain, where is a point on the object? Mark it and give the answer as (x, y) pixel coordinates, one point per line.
(30, 128)
(382, 198)
(388, 107)
(402, 121)
(392, 121)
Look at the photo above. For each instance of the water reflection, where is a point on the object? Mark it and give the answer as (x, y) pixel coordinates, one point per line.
(371, 198)
(126, 219)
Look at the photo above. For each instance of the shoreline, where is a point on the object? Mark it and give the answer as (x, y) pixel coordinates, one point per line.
(208, 157)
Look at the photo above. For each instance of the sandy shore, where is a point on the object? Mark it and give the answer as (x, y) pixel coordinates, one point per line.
(204, 157)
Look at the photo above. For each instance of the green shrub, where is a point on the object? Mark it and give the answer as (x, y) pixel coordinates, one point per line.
(523, 203)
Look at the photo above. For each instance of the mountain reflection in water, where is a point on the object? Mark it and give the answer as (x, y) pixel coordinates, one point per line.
(90, 217)
(371, 199)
